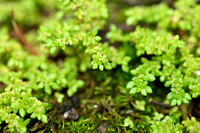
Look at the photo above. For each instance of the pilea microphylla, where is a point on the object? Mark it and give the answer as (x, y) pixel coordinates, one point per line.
(99, 66)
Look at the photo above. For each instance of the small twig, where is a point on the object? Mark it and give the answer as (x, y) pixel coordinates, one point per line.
(159, 103)
(21, 36)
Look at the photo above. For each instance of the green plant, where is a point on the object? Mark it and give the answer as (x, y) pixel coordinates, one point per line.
(17, 102)
(136, 77)
(82, 125)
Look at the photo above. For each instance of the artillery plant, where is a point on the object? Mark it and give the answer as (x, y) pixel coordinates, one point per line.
(145, 78)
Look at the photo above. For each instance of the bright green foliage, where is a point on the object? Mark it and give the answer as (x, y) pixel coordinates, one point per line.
(31, 7)
(170, 59)
(186, 22)
(192, 125)
(128, 122)
(166, 126)
(160, 122)
(18, 99)
(59, 97)
(154, 43)
(40, 74)
(149, 15)
(167, 17)
(80, 28)
(77, 26)
(164, 48)
(156, 57)
(116, 34)
(82, 125)
(163, 124)
(143, 73)
(140, 105)
(195, 88)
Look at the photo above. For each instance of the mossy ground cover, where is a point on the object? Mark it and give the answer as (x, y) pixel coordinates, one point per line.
(99, 66)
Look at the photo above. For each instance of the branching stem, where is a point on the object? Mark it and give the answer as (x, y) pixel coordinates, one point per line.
(159, 103)
(21, 36)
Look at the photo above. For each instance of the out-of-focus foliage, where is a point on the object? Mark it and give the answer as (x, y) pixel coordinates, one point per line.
(27, 12)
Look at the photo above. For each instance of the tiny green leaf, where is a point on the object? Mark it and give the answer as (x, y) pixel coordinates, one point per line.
(55, 86)
(185, 101)
(95, 66)
(108, 66)
(133, 72)
(26, 122)
(130, 84)
(52, 50)
(195, 95)
(128, 122)
(151, 77)
(47, 89)
(179, 102)
(44, 119)
(33, 115)
(101, 67)
(169, 95)
(30, 110)
(148, 89)
(133, 90)
(98, 38)
(173, 102)
(187, 96)
(144, 92)
(22, 112)
(162, 78)
(125, 68)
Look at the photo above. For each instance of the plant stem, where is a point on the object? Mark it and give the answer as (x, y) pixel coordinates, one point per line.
(21, 36)
(159, 103)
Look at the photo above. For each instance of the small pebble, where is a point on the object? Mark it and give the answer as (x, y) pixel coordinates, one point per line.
(66, 114)
(95, 106)
(129, 111)
(71, 114)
